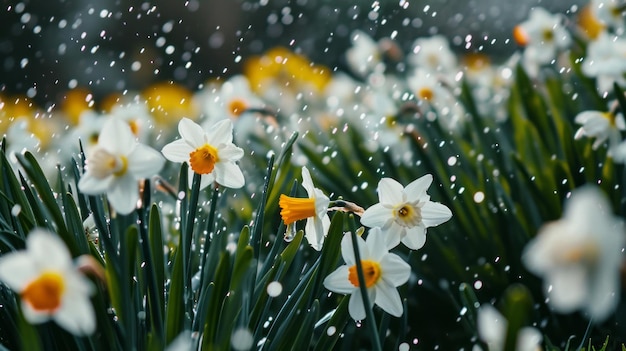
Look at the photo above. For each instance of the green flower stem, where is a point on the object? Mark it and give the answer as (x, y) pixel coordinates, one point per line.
(153, 288)
(369, 313)
(187, 237)
(209, 229)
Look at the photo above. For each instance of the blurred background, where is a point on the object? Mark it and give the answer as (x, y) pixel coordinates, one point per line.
(48, 47)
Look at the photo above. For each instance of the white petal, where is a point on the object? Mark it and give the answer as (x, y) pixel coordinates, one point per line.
(18, 269)
(90, 185)
(604, 293)
(221, 133)
(230, 152)
(307, 182)
(390, 191)
(314, 233)
(415, 237)
(124, 194)
(177, 151)
(76, 315)
(355, 306)
(395, 270)
(392, 238)
(417, 188)
(569, 290)
(228, 174)
(347, 250)
(321, 203)
(528, 339)
(34, 316)
(144, 162)
(491, 325)
(48, 250)
(338, 281)
(388, 299)
(377, 216)
(116, 137)
(376, 244)
(205, 179)
(191, 132)
(434, 213)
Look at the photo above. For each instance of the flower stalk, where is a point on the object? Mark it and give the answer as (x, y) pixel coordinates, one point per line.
(371, 324)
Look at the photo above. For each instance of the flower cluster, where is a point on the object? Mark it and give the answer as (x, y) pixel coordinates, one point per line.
(402, 215)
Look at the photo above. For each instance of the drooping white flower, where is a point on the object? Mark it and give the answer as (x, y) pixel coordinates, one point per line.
(313, 209)
(579, 256)
(492, 330)
(49, 284)
(383, 272)
(210, 153)
(543, 35)
(116, 164)
(605, 61)
(404, 213)
(600, 125)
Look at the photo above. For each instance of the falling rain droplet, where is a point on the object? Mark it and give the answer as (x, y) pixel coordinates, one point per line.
(242, 339)
(274, 289)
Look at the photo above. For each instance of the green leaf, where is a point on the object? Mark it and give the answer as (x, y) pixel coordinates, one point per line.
(516, 306)
(175, 312)
(334, 327)
(215, 298)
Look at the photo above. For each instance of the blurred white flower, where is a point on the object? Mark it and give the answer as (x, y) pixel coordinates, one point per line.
(602, 126)
(210, 153)
(138, 117)
(433, 94)
(383, 272)
(364, 56)
(230, 100)
(579, 256)
(606, 61)
(434, 55)
(116, 164)
(610, 13)
(313, 209)
(543, 35)
(492, 330)
(49, 284)
(404, 213)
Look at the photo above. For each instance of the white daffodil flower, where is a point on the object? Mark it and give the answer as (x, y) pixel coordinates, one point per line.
(436, 99)
(492, 330)
(116, 164)
(543, 35)
(579, 256)
(313, 209)
(364, 56)
(403, 214)
(210, 153)
(434, 55)
(610, 13)
(49, 284)
(605, 61)
(383, 272)
(602, 126)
